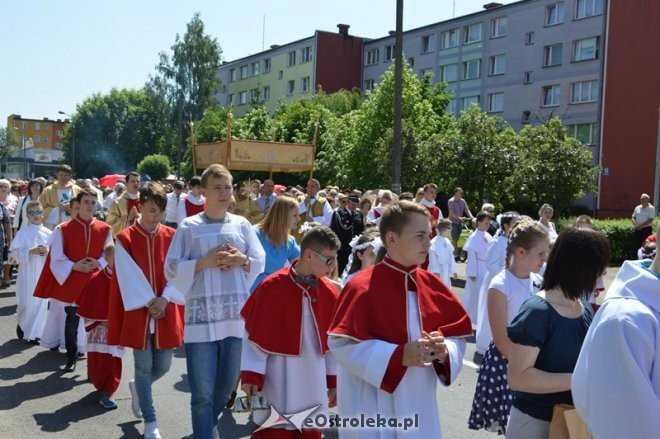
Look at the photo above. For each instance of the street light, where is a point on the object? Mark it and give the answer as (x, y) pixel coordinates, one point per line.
(73, 141)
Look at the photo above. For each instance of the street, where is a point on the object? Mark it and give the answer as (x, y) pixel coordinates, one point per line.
(37, 399)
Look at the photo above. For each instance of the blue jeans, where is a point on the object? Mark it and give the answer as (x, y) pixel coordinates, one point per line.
(150, 364)
(213, 371)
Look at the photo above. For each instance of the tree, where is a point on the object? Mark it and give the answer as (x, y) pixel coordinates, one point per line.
(554, 167)
(188, 80)
(114, 132)
(156, 166)
(8, 141)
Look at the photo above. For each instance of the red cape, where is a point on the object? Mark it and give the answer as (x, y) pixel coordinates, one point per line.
(373, 306)
(273, 313)
(93, 301)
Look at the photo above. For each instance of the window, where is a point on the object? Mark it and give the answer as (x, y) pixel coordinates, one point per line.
(525, 117)
(371, 57)
(36, 138)
(586, 133)
(427, 44)
(449, 39)
(449, 73)
(242, 98)
(305, 84)
(232, 75)
(290, 87)
(497, 64)
(224, 89)
(451, 106)
(230, 99)
(58, 145)
(586, 49)
(588, 8)
(254, 95)
(411, 61)
(469, 100)
(292, 59)
(584, 91)
(306, 54)
(266, 92)
(255, 68)
(554, 14)
(369, 85)
(498, 27)
(552, 55)
(471, 69)
(45, 139)
(267, 65)
(389, 52)
(530, 38)
(24, 125)
(280, 75)
(527, 77)
(423, 72)
(551, 95)
(244, 72)
(496, 102)
(37, 126)
(472, 33)
(59, 133)
(46, 126)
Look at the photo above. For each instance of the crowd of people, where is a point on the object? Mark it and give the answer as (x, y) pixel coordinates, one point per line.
(323, 297)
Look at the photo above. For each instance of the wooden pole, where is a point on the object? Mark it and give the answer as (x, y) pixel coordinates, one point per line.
(191, 125)
(230, 118)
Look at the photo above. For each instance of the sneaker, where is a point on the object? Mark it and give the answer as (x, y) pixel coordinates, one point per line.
(19, 332)
(151, 431)
(70, 366)
(232, 399)
(216, 432)
(135, 402)
(107, 403)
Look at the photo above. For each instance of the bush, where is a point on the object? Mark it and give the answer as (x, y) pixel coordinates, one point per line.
(156, 166)
(619, 232)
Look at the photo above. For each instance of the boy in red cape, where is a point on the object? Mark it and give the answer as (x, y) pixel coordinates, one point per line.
(397, 331)
(76, 252)
(146, 313)
(103, 360)
(289, 360)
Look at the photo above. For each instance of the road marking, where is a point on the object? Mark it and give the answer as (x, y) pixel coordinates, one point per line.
(470, 364)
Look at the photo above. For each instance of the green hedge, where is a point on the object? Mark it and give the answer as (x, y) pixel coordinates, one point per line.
(619, 232)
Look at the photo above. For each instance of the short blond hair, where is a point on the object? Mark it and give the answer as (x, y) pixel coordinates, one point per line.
(215, 171)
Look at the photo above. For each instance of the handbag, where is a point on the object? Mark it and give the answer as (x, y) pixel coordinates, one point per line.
(566, 423)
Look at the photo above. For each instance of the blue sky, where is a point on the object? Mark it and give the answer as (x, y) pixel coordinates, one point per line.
(57, 53)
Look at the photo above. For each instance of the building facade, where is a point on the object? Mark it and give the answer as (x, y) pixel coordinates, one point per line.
(39, 149)
(331, 61)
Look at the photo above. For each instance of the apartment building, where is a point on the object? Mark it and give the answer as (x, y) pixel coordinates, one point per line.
(331, 61)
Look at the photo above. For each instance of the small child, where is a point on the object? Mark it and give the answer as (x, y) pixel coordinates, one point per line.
(477, 250)
(29, 249)
(526, 253)
(363, 254)
(103, 360)
(441, 254)
(289, 360)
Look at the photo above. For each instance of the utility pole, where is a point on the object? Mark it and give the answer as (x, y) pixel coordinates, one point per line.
(398, 99)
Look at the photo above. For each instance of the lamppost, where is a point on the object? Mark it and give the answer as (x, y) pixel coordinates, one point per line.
(170, 72)
(73, 141)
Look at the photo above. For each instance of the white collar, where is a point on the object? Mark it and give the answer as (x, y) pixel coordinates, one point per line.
(427, 203)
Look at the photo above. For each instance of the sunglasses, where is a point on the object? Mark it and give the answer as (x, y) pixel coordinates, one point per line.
(35, 212)
(326, 260)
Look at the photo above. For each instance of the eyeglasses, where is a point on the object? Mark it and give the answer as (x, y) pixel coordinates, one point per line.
(326, 260)
(35, 212)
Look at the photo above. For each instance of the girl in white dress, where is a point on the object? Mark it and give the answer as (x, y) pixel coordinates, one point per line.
(441, 254)
(363, 255)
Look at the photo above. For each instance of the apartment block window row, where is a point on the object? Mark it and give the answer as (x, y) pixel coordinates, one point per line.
(36, 138)
(306, 54)
(586, 133)
(37, 126)
(584, 91)
(552, 55)
(449, 73)
(244, 72)
(369, 84)
(554, 14)
(449, 39)
(290, 87)
(267, 65)
(467, 101)
(472, 69)
(585, 49)
(551, 95)
(496, 102)
(530, 38)
(242, 98)
(59, 133)
(291, 61)
(588, 8)
(389, 52)
(305, 84)
(45, 139)
(427, 44)
(255, 68)
(424, 72)
(266, 92)
(497, 65)
(371, 56)
(473, 33)
(498, 27)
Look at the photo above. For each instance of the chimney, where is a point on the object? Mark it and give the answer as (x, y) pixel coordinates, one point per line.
(274, 46)
(343, 29)
(493, 5)
(392, 33)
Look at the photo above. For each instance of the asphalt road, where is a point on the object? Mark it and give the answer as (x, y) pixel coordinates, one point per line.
(37, 399)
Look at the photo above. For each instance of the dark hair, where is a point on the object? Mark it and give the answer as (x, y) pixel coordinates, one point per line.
(365, 201)
(430, 186)
(577, 259)
(132, 174)
(35, 182)
(356, 264)
(319, 237)
(406, 196)
(395, 216)
(64, 168)
(482, 215)
(179, 185)
(155, 192)
(195, 181)
(85, 192)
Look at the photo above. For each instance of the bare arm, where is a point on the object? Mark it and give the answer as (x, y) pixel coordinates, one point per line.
(498, 321)
(524, 377)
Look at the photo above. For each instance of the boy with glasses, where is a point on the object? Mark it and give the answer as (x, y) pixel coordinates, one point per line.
(278, 353)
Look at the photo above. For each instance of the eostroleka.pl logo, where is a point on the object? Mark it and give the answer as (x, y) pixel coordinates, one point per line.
(304, 419)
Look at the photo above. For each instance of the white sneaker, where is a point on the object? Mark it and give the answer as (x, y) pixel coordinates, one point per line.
(216, 432)
(135, 402)
(151, 431)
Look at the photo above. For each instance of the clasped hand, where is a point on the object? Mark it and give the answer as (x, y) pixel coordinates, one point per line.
(224, 257)
(424, 351)
(156, 307)
(86, 265)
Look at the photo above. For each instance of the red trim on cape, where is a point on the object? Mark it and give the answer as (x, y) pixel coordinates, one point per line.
(93, 301)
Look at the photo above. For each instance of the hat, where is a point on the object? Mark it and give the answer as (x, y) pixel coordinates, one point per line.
(643, 196)
(354, 199)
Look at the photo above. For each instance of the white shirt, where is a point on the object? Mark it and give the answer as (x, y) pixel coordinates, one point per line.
(643, 214)
(326, 216)
(171, 208)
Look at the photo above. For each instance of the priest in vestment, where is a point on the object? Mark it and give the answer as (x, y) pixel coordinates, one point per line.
(76, 252)
(289, 360)
(126, 208)
(392, 357)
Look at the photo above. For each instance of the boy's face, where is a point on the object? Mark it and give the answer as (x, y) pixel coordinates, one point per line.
(321, 261)
(87, 207)
(218, 191)
(445, 232)
(412, 245)
(35, 215)
(196, 191)
(484, 224)
(430, 194)
(150, 212)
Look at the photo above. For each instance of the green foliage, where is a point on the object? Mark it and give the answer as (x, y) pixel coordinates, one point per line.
(156, 166)
(9, 141)
(554, 168)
